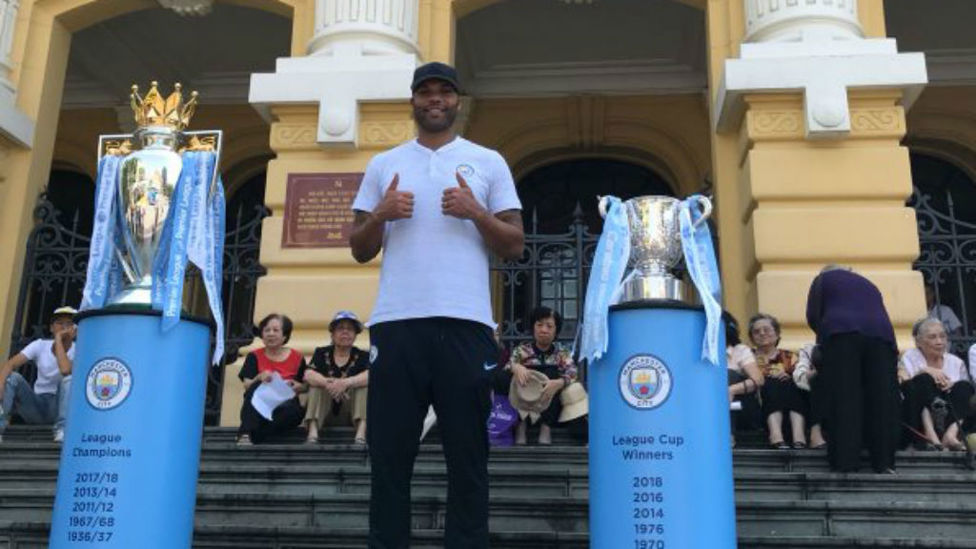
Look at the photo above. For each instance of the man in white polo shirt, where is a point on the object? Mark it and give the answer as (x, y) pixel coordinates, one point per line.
(47, 400)
(436, 206)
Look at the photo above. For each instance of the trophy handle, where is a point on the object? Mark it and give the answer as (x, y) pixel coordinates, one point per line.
(601, 204)
(706, 206)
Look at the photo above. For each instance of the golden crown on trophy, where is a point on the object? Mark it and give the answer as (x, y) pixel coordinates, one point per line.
(153, 110)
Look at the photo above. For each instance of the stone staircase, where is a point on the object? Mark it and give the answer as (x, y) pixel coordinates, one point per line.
(318, 496)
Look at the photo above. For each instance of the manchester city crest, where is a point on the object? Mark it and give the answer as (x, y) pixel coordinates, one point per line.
(108, 384)
(645, 382)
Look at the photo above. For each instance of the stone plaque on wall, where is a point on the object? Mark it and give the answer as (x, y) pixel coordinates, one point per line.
(318, 209)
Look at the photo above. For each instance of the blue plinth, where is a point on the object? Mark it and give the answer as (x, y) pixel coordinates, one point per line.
(660, 457)
(131, 450)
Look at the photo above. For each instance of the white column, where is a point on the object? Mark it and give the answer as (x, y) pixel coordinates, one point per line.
(8, 17)
(816, 47)
(795, 20)
(363, 50)
(14, 124)
(364, 27)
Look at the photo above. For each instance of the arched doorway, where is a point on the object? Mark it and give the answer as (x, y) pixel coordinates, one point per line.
(944, 198)
(562, 226)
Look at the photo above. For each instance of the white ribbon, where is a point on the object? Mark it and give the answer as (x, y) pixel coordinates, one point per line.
(696, 241)
(104, 277)
(609, 264)
(194, 231)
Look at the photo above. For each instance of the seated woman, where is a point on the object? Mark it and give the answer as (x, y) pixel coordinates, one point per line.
(260, 366)
(929, 374)
(544, 355)
(779, 393)
(745, 379)
(337, 380)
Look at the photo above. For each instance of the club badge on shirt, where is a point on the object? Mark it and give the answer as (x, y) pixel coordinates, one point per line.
(465, 170)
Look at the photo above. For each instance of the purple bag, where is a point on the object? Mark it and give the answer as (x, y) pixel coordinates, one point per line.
(501, 421)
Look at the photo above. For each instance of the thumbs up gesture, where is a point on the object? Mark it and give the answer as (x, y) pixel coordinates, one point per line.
(460, 202)
(396, 204)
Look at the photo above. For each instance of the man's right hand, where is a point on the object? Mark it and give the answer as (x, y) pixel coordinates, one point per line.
(396, 204)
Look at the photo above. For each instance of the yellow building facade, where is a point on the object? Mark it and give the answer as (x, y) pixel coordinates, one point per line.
(799, 117)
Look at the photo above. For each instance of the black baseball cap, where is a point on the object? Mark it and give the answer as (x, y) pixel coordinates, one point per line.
(435, 71)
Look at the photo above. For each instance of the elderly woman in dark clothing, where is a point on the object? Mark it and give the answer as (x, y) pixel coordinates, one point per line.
(261, 366)
(338, 380)
(860, 358)
(780, 395)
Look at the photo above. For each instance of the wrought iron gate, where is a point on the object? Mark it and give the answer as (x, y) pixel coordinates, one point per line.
(944, 198)
(55, 267)
(552, 272)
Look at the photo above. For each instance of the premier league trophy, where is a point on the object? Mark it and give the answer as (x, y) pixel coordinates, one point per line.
(131, 450)
(660, 460)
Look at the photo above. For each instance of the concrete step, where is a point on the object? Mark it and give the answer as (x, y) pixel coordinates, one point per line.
(538, 481)
(744, 459)
(34, 535)
(766, 519)
(331, 435)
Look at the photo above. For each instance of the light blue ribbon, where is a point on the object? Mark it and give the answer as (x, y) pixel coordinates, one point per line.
(194, 231)
(104, 268)
(696, 241)
(609, 264)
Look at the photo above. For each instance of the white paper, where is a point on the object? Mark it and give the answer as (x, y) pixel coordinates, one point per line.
(270, 395)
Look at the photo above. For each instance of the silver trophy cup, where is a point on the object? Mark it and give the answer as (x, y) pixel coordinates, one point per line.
(147, 179)
(655, 246)
(148, 176)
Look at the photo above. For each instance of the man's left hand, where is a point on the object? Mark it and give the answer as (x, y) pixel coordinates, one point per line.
(460, 202)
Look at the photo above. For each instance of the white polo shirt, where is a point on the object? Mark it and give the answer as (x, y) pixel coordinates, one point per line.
(435, 264)
(41, 353)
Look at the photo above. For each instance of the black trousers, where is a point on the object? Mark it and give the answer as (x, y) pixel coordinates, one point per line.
(448, 363)
(782, 396)
(861, 376)
(921, 390)
(750, 417)
(287, 416)
(819, 399)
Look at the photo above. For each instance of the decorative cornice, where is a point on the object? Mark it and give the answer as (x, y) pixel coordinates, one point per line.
(878, 122)
(188, 8)
(765, 124)
(384, 134)
(774, 125)
(293, 136)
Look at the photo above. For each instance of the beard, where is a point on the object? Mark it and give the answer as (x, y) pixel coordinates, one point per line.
(435, 125)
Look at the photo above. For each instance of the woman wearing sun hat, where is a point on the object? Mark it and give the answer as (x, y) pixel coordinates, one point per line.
(338, 380)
